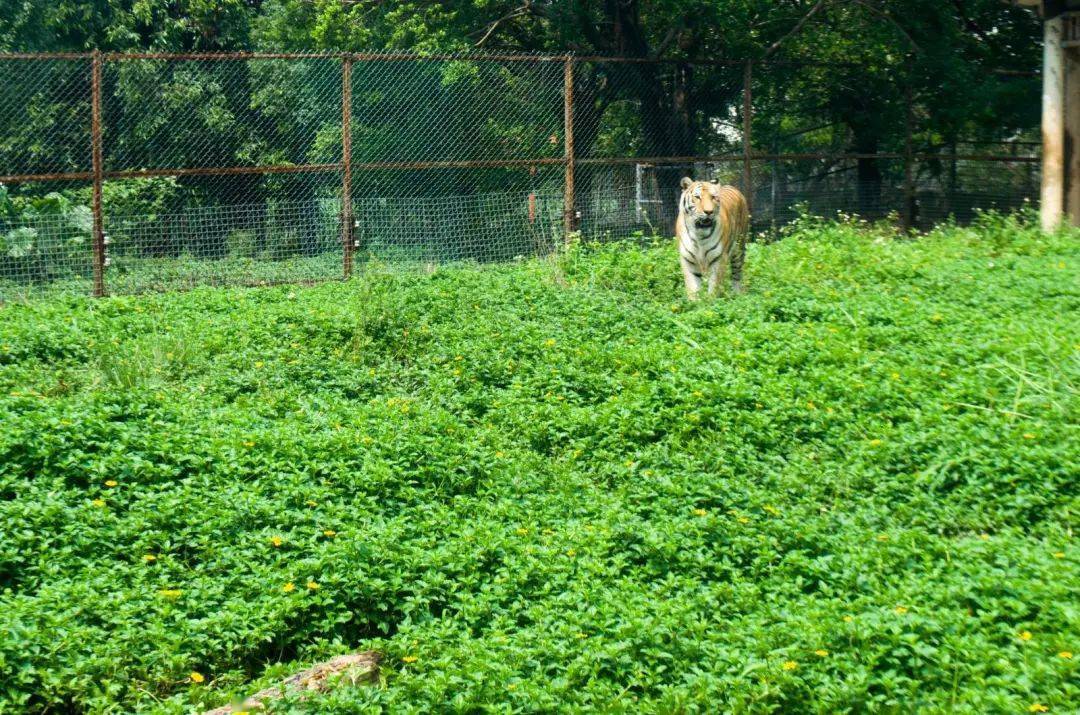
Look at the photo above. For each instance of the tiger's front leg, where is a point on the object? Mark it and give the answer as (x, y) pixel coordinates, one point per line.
(716, 275)
(691, 278)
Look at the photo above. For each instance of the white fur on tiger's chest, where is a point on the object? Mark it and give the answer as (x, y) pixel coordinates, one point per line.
(698, 247)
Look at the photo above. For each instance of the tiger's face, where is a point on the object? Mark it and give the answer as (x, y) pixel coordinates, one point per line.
(700, 202)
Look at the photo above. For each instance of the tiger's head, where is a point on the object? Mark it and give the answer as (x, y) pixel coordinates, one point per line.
(700, 203)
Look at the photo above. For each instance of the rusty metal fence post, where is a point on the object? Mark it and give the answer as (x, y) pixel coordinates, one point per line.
(96, 159)
(569, 200)
(748, 150)
(346, 166)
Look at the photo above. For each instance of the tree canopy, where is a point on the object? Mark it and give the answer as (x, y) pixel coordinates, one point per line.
(951, 53)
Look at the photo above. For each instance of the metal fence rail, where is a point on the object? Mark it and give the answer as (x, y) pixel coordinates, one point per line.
(151, 171)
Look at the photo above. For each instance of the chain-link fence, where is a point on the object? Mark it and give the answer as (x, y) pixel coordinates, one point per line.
(127, 173)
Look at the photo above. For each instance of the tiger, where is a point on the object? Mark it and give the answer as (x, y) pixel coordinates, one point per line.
(712, 228)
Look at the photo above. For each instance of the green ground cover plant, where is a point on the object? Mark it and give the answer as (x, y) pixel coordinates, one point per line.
(555, 485)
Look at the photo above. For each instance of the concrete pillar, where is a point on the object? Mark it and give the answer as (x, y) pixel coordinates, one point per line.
(1052, 197)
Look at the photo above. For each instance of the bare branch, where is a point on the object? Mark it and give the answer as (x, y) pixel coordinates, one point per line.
(892, 21)
(672, 33)
(518, 12)
(798, 27)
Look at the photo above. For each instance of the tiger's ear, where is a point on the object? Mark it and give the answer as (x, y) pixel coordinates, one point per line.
(685, 183)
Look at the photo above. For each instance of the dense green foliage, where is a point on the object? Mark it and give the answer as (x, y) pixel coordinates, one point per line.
(556, 484)
(949, 54)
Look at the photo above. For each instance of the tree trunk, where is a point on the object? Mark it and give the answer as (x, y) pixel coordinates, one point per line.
(868, 177)
(591, 92)
(665, 108)
(683, 114)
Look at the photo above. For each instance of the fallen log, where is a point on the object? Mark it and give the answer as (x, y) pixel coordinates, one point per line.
(351, 669)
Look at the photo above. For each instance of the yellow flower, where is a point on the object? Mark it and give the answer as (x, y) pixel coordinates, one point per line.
(550, 343)
(901, 610)
(810, 405)
(771, 509)
(896, 376)
(409, 659)
(276, 541)
(289, 587)
(111, 483)
(197, 677)
(571, 553)
(499, 453)
(249, 444)
(936, 317)
(522, 531)
(170, 593)
(984, 537)
(312, 502)
(1025, 635)
(329, 533)
(848, 619)
(821, 652)
(1037, 708)
(149, 557)
(98, 502)
(743, 520)
(875, 442)
(1066, 654)
(1059, 554)
(700, 512)
(312, 586)
(790, 665)
(258, 364)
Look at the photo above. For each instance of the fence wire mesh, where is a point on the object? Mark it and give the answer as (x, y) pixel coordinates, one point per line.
(262, 169)
(190, 114)
(45, 115)
(48, 247)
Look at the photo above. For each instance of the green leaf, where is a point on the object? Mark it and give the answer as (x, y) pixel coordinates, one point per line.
(19, 242)
(80, 218)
